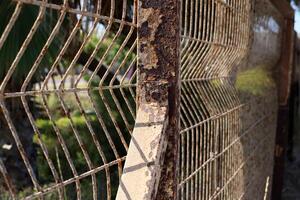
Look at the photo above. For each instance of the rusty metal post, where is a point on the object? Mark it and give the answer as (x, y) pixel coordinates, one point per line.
(284, 85)
(170, 30)
(148, 169)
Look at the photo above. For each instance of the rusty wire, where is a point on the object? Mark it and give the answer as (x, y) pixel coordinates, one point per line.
(117, 82)
(227, 135)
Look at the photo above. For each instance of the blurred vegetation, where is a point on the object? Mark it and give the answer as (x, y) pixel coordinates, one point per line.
(63, 124)
(93, 101)
(19, 33)
(257, 86)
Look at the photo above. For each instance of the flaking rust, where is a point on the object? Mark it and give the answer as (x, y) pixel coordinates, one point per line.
(158, 63)
(148, 25)
(150, 172)
(158, 54)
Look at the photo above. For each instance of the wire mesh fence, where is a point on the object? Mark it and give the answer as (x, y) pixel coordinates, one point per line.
(228, 100)
(68, 96)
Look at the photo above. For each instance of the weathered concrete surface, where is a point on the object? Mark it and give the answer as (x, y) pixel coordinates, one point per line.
(142, 168)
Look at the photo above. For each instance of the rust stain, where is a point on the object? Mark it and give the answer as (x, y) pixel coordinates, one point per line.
(148, 25)
(158, 52)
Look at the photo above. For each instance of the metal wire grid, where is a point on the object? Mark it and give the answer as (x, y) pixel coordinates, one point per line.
(111, 81)
(217, 158)
(227, 137)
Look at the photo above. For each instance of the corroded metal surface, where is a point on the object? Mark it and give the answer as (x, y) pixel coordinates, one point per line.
(158, 64)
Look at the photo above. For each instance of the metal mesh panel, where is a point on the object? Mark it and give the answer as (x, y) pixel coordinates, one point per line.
(67, 97)
(228, 101)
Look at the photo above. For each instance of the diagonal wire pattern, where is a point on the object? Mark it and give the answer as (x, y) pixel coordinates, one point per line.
(227, 131)
(68, 97)
(72, 79)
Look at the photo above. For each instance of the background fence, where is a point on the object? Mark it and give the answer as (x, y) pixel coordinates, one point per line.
(228, 106)
(131, 99)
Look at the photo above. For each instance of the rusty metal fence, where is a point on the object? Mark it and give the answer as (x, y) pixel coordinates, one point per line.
(75, 97)
(139, 99)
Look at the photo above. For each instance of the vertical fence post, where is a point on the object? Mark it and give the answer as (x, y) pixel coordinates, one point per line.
(150, 167)
(284, 77)
(169, 42)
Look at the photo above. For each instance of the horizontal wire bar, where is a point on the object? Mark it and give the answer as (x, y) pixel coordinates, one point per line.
(72, 180)
(205, 78)
(214, 43)
(75, 11)
(212, 118)
(215, 156)
(65, 90)
(239, 168)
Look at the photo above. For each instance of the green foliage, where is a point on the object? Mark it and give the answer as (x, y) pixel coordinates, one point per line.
(64, 126)
(98, 101)
(91, 103)
(256, 86)
(112, 47)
